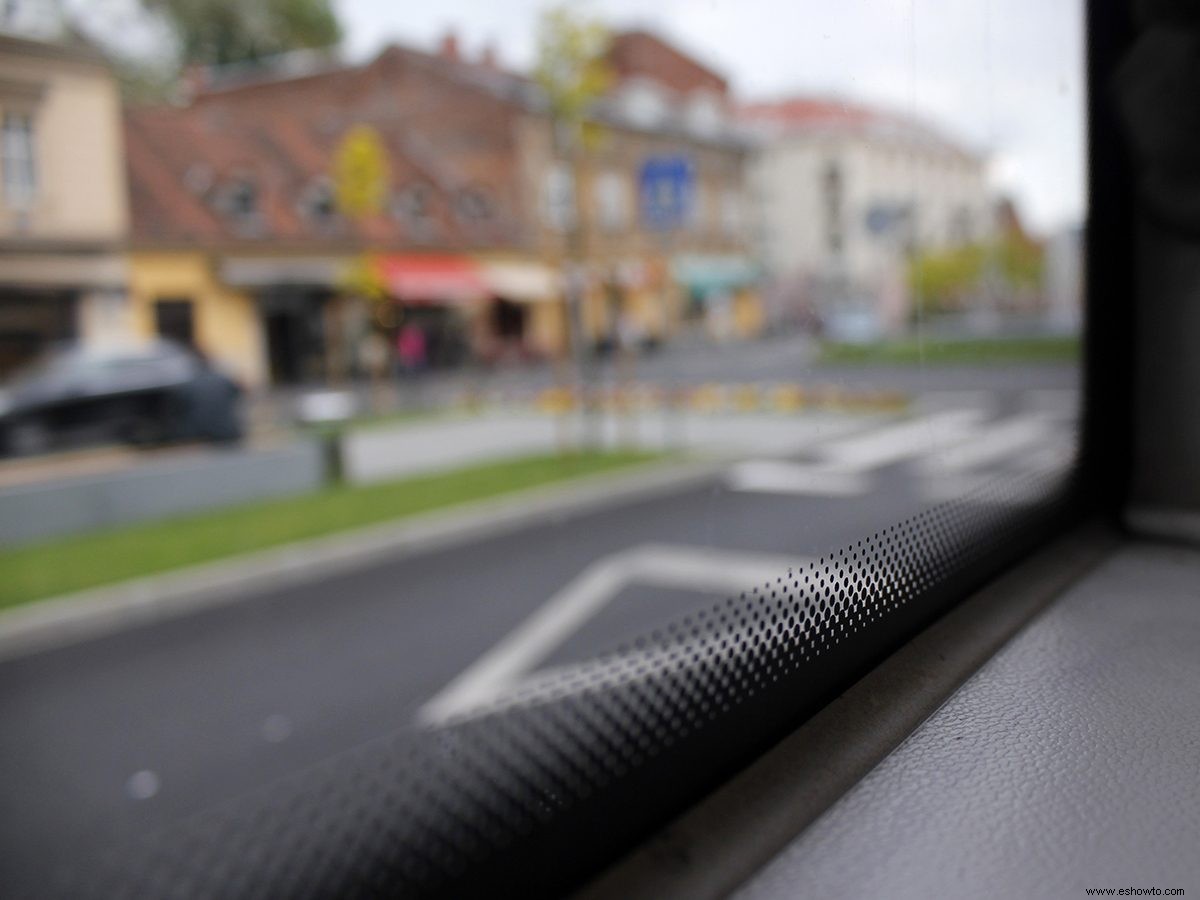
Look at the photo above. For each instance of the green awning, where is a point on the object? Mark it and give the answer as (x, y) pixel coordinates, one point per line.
(703, 274)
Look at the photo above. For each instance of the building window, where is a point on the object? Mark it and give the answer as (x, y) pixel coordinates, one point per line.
(700, 211)
(473, 205)
(238, 200)
(644, 103)
(174, 320)
(612, 201)
(413, 206)
(319, 204)
(243, 200)
(558, 197)
(704, 114)
(731, 212)
(831, 191)
(17, 160)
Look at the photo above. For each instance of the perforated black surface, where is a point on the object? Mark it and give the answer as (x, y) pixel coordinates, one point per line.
(533, 795)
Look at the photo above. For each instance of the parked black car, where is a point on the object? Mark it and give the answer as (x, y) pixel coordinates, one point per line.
(153, 394)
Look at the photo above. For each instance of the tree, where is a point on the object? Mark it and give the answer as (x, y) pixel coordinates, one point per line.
(361, 173)
(572, 71)
(361, 179)
(219, 32)
(950, 280)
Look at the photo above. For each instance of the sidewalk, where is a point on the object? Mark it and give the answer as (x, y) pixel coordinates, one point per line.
(385, 452)
(66, 619)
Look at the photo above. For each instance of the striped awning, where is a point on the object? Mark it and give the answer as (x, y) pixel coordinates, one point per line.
(520, 281)
(432, 279)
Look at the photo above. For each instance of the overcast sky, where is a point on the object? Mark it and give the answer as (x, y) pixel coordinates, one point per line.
(1005, 76)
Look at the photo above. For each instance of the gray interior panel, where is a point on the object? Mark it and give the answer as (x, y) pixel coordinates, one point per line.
(1071, 760)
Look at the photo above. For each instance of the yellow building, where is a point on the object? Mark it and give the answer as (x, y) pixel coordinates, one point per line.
(179, 295)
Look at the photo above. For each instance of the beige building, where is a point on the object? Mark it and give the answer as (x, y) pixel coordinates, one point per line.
(843, 194)
(63, 207)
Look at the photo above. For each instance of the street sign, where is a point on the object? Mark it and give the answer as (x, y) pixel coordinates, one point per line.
(883, 218)
(665, 188)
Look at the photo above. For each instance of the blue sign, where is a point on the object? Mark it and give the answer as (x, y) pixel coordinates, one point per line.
(883, 218)
(665, 188)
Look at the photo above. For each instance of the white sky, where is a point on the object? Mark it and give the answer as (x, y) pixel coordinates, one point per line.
(1006, 76)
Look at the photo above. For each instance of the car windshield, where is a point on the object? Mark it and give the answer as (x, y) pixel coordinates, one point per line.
(506, 350)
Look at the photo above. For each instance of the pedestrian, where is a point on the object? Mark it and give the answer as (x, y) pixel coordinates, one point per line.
(411, 348)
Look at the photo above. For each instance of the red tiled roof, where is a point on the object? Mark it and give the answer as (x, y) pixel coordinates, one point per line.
(634, 54)
(823, 114)
(282, 135)
(798, 111)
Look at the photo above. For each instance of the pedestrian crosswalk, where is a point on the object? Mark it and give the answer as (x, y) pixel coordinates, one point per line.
(944, 453)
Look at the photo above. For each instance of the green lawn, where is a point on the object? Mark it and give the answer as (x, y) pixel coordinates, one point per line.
(953, 352)
(71, 564)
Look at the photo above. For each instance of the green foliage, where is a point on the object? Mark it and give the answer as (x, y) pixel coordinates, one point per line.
(1022, 263)
(572, 68)
(104, 557)
(943, 279)
(956, 351)
(220, 32)
(947, 279)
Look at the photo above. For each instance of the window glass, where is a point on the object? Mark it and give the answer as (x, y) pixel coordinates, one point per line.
(18, 160)
(558, 196)
(612, 200)
(519, 354)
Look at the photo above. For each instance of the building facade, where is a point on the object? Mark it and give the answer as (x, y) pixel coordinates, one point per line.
(239, 246)
(649, 278)
(63, 208)
(844, 195)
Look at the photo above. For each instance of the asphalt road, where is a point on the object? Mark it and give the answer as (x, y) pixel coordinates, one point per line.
(107, 738)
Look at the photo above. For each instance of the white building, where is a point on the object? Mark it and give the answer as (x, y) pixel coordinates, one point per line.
(843, 194)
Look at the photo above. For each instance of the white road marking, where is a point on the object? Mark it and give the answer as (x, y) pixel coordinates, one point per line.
(843, 465)
(885, 446)
(991, 444)
(500, 671)
(771, 476)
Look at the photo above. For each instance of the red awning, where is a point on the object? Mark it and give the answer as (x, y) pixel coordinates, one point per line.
(432, 279)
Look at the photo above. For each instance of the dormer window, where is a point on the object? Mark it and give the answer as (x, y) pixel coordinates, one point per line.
(704, 114)
(319, 203)
(17, 160)
(242, 199)
(644, 103)
(238, 199)
(473, 205)
(412, 205)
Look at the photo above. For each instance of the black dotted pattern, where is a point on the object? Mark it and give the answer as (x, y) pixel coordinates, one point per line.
(530, 796)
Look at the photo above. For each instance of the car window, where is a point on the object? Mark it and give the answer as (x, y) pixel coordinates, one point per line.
(763, 349)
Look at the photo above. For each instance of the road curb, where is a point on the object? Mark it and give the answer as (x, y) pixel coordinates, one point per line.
(72, 618)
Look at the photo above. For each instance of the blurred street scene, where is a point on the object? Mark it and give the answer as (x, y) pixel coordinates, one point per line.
(348, 381)
(307, 223)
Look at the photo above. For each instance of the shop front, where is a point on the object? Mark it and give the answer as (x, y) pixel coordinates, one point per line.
(721, 295)
(437, 302)
(524, 317)
(53, 298)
